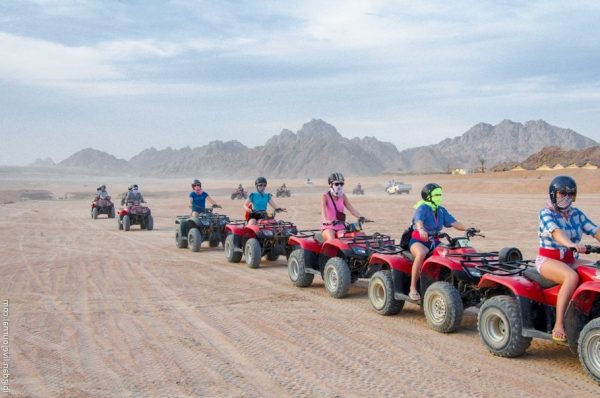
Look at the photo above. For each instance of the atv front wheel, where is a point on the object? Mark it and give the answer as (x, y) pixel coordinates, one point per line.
(381, 294)
(589, 349)
(150, 223)
(443, 307)
(231, 254)
(297, 269)
(253, 253)
(194, 240)
(120, 223)
(179, 240)
(126, 223)
(336, 276)
(500, 327)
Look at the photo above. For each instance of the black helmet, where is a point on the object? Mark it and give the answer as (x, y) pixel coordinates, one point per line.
(335, 177)
(103, 187)
(196, 182)
(134, 186)
(260, 180)
(564, 184)
(427, 189)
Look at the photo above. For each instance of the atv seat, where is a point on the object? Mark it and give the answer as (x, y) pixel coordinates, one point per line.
(319, 237)
(533, 275)
(408, 255)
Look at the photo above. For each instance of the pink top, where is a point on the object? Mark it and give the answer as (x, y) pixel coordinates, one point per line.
(330, 211)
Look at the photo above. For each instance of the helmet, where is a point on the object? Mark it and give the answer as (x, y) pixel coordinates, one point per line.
(103, 187)
(335, 177)
(134, 186)
(196, 182)
(427, 189)
(260, 180)
(564, 184)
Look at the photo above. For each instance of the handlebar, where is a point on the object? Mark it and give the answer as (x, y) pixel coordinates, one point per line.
(589, 249)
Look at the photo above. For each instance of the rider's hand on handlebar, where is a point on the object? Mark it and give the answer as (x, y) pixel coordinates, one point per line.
(216, 206)
(472, 231)
(280, 210)
(423, 234)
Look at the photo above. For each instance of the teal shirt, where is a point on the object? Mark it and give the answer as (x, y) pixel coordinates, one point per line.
(259, 201)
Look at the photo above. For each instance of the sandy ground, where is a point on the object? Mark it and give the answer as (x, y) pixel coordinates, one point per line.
(94, 311)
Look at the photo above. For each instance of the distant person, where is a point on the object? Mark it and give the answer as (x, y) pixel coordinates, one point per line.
(428, 221)
(125, 196)
(101, 192)
(134, 195)
(240, 188)
(198, 199)
(333, 205)
(561, 228)
(257, 202)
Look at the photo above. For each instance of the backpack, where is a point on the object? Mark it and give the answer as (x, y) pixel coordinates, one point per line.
(405, 239)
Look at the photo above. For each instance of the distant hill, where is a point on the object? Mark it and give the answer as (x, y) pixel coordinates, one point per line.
(505, 142)
(39, 162)
(318, 148)
(93, 159)
(551, 156)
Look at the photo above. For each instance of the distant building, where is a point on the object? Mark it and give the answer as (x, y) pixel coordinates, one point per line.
(459, 171)
(544, 167)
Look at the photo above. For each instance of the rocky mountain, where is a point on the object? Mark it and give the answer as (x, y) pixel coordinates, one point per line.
(93, 159)
(504, 142)
(550, 156)
(39, 162)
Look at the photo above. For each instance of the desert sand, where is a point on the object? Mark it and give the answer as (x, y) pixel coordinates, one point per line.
(98, 312)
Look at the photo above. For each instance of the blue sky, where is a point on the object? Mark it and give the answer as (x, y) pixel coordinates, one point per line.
(121, 76)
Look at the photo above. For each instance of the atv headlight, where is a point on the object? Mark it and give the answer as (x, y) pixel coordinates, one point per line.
(361, 251)
(267, 233)
(205, 223)
(474, 272)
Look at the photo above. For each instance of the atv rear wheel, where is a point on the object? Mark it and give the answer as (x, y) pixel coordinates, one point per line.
(336, 276)
(126, 223)
(194, 239)
(120, 223)
(150, 223)
(589, 349)
(500, 327)
(381, 294)
(253, 253)
(231, 254)
(297, 269)
(443, 307)
(95, 213)
(111, 213)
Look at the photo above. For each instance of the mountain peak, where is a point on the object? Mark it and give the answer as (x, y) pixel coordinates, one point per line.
(319, 128)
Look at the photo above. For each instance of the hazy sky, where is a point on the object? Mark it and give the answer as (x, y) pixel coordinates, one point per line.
(121, 76)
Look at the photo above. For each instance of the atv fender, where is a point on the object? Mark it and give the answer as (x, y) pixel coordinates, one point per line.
(332, 247)
(308, 244)
(237, 230)
(584, 297)
(251, 231)
(394, 262)
(519, 286)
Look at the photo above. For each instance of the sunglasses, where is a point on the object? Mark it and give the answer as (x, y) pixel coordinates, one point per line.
(338, 184)
(436, 194)
(567, 193)
(261, 185)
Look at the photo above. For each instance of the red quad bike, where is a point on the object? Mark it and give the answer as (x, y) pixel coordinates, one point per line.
(352, 255)
(449, 278)
(135, 214)
(268, 238)
(521, 304)
(102, 206)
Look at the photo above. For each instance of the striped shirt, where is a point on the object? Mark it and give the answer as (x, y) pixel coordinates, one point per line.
(574, 227)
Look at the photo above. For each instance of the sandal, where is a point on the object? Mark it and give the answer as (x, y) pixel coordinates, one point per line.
(414, 296)
(559, 337)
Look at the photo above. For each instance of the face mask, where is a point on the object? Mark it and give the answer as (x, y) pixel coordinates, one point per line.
(564, 202)
(337, 190)
(261, 189)
(436, 197)
(197, 189)
(135, 190)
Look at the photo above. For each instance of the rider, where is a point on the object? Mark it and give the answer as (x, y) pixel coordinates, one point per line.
(125, 195)
(256, 204)
(561, 229)
(428, 221)
(134, 195)
(333, 204)
(198, 199)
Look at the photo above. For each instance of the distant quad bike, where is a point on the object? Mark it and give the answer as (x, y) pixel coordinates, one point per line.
(267, 238)
(448, 282)
(135, 213)
(190, 231)
(358, 190)
(283, 192)
(520, 304)
(102, 206)
(398, 188)
(352, 255)
(239, 194)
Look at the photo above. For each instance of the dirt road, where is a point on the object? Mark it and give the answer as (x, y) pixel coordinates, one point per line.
(99, 312)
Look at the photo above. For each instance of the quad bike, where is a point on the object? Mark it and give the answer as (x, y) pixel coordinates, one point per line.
(449, 279)
(283, 192)
(398, 188)
(239, 194)
(520, 304)
(102, 206)
(341, 261)
(267, 238)
(135, 213)
(358, 190)
(190, 231)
